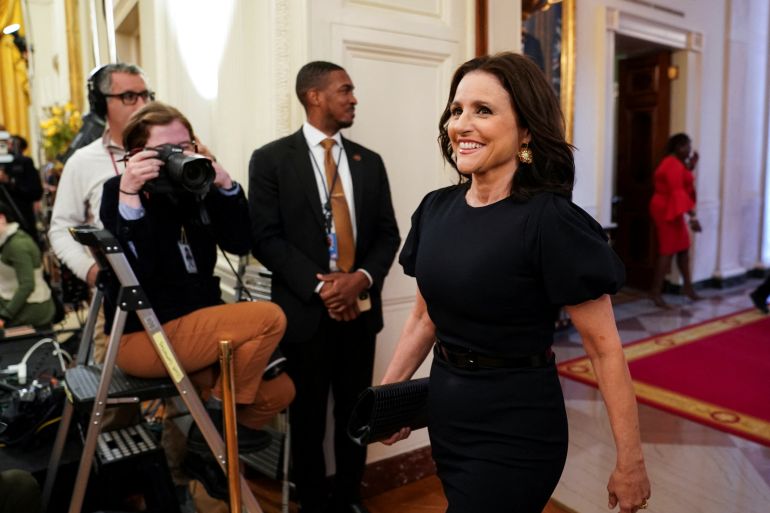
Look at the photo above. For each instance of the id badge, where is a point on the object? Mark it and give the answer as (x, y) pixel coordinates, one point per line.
(333, 250)
(187, 257)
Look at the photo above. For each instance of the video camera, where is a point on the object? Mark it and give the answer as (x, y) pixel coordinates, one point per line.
(181, 172)
(7, 149)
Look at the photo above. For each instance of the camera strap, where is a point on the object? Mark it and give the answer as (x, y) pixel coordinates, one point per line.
(187, 255)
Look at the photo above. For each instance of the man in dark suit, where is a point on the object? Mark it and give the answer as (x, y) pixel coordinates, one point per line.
(323, 224)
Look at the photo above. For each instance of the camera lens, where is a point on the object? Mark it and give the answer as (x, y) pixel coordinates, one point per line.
(196, 175)
(193, 173)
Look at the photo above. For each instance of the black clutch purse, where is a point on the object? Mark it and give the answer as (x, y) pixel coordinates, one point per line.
(383, 410)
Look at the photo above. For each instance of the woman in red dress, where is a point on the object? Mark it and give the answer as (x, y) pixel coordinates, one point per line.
(674, 196)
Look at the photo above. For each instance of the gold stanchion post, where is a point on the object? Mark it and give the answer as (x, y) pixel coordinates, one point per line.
(231, 432)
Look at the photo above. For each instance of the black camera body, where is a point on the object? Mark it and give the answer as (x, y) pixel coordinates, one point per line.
(182, 172)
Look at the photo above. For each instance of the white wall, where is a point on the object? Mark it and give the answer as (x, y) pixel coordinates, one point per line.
(212, 61)
(745, 116)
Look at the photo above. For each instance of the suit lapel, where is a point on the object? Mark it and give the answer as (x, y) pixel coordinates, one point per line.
(356, 166)
(305, 176)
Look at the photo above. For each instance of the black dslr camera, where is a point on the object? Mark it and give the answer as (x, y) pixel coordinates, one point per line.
(191, 173)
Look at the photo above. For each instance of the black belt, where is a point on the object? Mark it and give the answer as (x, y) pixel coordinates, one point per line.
(467, 359)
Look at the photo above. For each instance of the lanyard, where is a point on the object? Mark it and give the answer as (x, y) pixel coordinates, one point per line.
(327, 206)
(114, 165)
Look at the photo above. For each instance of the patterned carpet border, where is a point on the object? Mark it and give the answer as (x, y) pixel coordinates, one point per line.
(714, 415)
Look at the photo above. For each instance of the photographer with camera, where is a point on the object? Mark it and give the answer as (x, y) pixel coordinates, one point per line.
(170, 209)
(20, 185)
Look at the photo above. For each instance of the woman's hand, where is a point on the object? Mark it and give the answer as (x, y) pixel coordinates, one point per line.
(222, 178)
(693, 160)
(629, 488)
(140, 168)
(695, 225)
(397, 437)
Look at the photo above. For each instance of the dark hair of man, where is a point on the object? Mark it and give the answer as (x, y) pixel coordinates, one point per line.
(20, 144)
(137, 131)
(313, 75)
(105, 76)
(7, 212)
(675, 142)
(537, 109)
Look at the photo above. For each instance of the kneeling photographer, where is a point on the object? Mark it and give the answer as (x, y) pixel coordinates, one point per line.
(170, 209)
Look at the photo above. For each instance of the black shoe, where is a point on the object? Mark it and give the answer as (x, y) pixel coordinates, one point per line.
(249, 440)
(759, 301)
(204, 468)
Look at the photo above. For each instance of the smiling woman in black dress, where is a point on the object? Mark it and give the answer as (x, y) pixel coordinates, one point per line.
(495, 257)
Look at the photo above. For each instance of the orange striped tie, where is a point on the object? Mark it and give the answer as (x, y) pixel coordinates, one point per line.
(346, 247)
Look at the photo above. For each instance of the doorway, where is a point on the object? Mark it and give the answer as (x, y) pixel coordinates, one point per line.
(643, 106)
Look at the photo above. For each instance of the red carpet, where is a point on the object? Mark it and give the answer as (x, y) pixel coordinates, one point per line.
(716, 373)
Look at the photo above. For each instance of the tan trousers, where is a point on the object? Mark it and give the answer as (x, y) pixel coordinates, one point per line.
(254, 330)
(101, 339)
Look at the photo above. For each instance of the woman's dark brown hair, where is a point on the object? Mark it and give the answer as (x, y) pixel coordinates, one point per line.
(137, 130)
(537, 109)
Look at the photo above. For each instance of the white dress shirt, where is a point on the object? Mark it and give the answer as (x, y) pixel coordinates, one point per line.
(313, 137)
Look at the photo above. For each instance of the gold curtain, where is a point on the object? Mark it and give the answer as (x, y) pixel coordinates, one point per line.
(14, 86)
(73, 52)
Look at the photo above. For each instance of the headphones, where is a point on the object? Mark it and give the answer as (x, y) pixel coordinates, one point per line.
(97, 102)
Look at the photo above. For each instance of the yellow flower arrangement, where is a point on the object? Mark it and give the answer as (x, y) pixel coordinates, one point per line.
(59, 127)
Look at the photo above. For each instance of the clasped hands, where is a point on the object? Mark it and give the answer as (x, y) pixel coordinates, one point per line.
(340, 292)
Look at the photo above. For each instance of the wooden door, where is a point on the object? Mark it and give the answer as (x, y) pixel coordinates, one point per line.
(643, 125)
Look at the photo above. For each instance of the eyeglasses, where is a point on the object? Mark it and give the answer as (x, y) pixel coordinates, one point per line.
(130, 97)
(190, 146)
(185, 146)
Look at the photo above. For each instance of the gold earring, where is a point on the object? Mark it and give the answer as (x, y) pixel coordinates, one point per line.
(525, 154)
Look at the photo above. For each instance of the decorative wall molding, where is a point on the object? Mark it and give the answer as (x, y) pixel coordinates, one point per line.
(659, 7)
(389, 46)
(283, 81)
(430, 8)
(695, 41)
(652, 30)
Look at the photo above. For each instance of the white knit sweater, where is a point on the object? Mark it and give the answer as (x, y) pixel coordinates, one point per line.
(78, 198)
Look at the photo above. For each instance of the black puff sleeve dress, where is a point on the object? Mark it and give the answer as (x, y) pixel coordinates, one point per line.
(494, 278)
